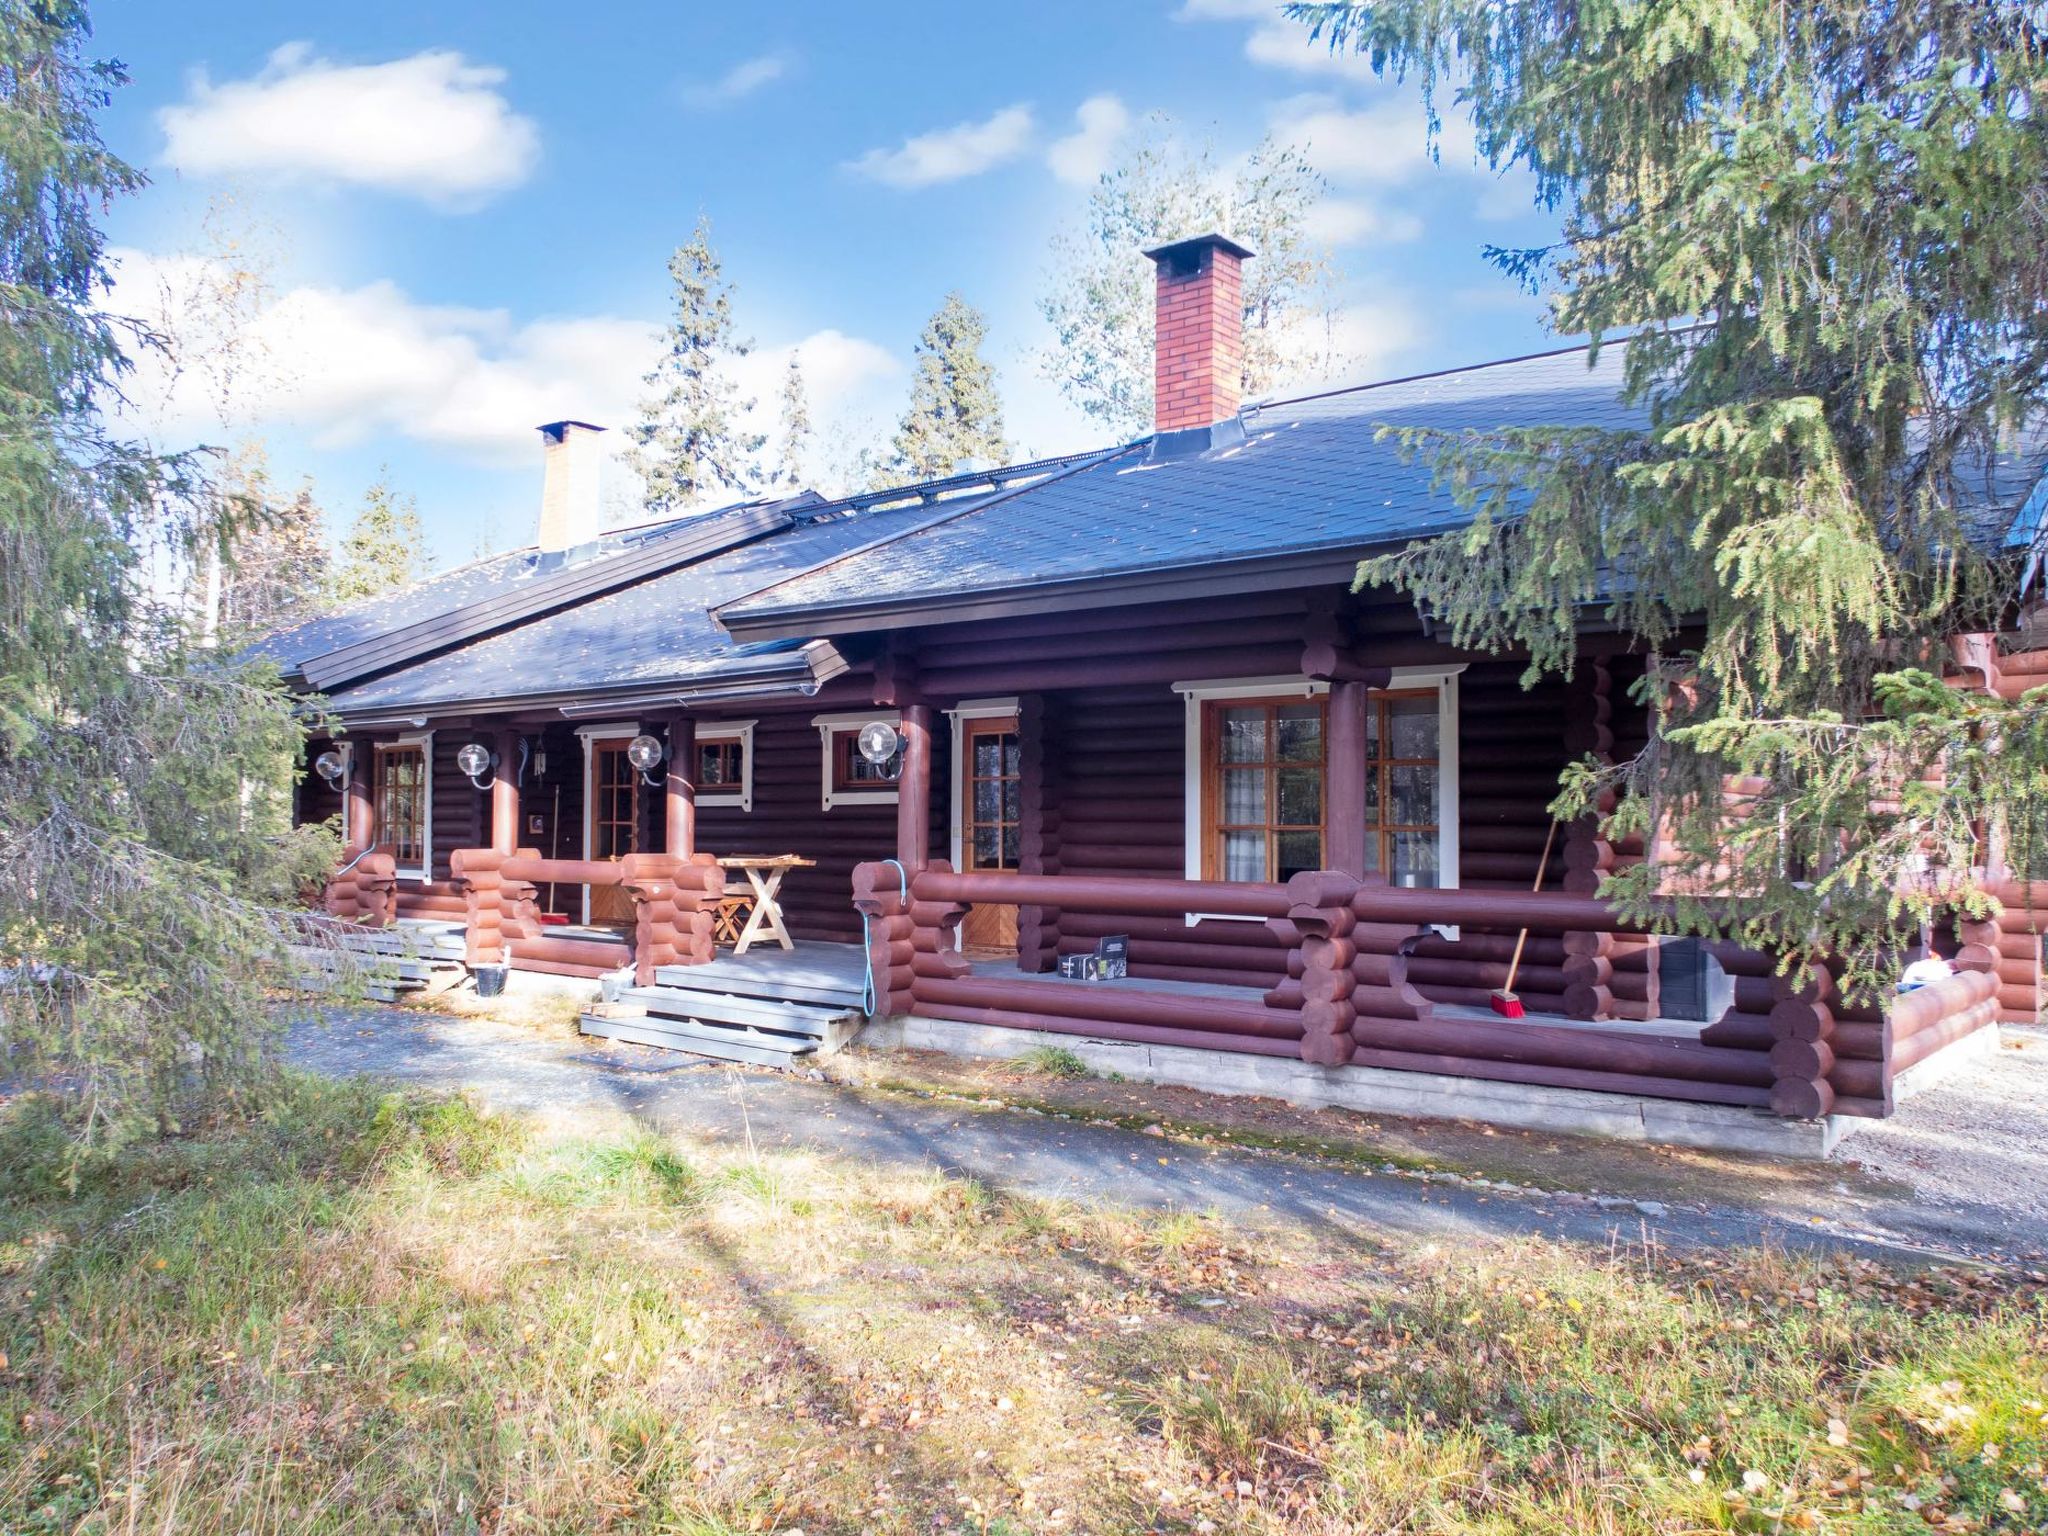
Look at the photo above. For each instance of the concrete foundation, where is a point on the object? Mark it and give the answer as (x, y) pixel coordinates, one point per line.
(1946, 1063)
(1376, 1090)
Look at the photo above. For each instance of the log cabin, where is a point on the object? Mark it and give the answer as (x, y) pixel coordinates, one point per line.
(1133, 706)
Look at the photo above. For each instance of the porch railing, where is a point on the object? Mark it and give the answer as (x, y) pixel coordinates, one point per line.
(674, 903)
(364, 890)
(1789, 1042)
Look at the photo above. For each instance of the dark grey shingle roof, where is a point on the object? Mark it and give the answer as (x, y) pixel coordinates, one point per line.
(1313, 474)
(657, 632)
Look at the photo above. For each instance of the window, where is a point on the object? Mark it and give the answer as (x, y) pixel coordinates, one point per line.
(402, 789)
(719, 764)
(1265, 803)
(1257, 759)
(991, 773)
(849, 778)
(725, 763)
(1402, 748)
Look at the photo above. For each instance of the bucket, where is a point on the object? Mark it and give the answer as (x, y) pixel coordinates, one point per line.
(490, 980)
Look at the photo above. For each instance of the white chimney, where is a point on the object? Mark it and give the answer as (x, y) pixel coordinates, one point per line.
(569, 505)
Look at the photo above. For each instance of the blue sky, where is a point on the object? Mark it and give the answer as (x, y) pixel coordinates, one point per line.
(464, 210)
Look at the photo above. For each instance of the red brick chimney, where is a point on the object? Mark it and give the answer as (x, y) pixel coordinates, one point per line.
(1198, 347)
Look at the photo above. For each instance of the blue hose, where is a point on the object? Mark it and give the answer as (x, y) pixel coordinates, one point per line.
(868, 999)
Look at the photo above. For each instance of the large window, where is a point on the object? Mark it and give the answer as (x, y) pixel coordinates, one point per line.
(403, 800)
(1265, 800)
(1258, 789)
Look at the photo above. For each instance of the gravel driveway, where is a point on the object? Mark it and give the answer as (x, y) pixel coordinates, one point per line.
(516, 1069)
(1978, 1143)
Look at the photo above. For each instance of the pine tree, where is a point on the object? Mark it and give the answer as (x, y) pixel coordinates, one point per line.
(384, 548)
(796, 429)
(689, 439)
(1819, 225)
(268, 568)
(1100, 299)
(955, 420)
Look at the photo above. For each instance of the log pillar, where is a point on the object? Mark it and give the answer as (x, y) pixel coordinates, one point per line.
(1038, 826)
(914, 789)
(680, 792)
(359, 805)
(1320, 922)
(505, 794)
(1802, 1051)
(1344, 784)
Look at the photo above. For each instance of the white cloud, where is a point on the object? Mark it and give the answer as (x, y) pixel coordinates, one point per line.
(1385, 144)
(1364, 340)
(1354, 221)
(948, 154)
(431, 126)
(742, 80)
(368, 362)
(1100, 124)
(1287, 45)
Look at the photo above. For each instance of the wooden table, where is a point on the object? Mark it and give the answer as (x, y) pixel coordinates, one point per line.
(764, 873)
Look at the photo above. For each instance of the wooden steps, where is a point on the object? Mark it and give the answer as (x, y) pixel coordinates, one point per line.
(734, 1010)
(383, 963)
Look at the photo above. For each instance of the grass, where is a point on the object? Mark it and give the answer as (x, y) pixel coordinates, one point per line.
(377, 1312)
(1053, 1061)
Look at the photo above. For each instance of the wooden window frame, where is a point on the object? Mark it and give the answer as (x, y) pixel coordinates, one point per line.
(1442, 679)
(738, 734)
(1213, 766)
(838, 736)
(423, 744)
(1382, 769)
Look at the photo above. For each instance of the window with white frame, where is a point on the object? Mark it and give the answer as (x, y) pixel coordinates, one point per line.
(725, 763)
(848, 778)
(1256, 764)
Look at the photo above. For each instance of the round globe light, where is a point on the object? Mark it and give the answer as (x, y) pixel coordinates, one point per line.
(878, 742)
(645, 753)
(476, 760)
(331, 766)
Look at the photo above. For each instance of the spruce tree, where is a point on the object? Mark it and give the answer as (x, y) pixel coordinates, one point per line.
(1818, 225)
(689, 439)
(955, 419)
(147, 855)
(796, 429)
(384, 548)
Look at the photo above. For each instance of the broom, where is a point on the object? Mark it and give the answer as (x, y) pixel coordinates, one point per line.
(1504, 1002)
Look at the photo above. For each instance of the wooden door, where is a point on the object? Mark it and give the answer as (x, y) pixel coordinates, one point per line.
(989, 794)
(614, 813)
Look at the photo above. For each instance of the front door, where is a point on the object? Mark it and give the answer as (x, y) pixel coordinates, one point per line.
(987, 810)
(614, 790)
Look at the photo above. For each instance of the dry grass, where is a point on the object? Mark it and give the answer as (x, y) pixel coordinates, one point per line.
(376, 1314)
(554, 1014)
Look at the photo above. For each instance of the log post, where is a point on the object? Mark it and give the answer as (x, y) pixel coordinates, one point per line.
(359, 805)
(505, 794)
(1038, 826)
(1344, 785)
(1320, 921)
(880, 894)
(914, 789)
(1802, 1055)
(680, 792)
